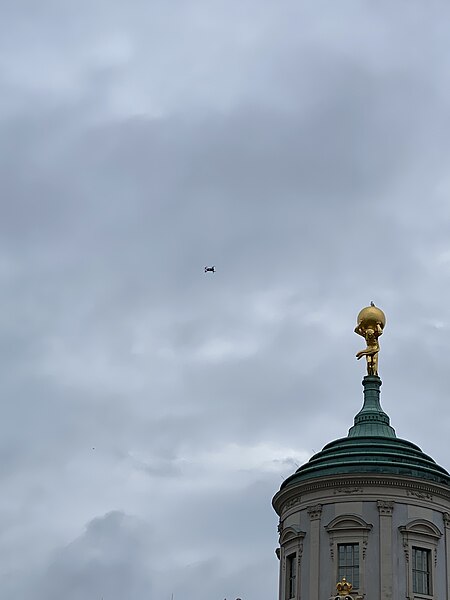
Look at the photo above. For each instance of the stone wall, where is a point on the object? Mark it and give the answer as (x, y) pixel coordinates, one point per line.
(386, 515)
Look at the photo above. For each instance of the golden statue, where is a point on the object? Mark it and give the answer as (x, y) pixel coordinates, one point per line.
(344, 587)
(371, 321)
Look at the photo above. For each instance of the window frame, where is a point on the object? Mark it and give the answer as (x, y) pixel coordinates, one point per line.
(423, 535)
(343, 569)
(428, 572)
(348, 529)
(291, 545)
(291, 576)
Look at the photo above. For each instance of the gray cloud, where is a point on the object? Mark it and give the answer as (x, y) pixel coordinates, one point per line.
(108, 560)
(149, 411)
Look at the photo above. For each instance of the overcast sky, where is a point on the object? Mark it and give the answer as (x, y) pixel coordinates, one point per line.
(149, 412)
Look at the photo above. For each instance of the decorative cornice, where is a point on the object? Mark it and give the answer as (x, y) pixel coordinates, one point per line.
(315, 512)
(289, 497)
(385, 507)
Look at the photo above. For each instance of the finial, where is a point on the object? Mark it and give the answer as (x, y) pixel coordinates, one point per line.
(370, 324)
(344, 587)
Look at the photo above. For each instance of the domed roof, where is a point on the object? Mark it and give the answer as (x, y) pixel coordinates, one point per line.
(370, 447)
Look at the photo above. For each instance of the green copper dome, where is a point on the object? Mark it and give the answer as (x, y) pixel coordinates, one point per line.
(370, 447)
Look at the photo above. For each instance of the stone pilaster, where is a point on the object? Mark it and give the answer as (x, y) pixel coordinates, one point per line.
(386, 575)
(447, 553)
(315, 513)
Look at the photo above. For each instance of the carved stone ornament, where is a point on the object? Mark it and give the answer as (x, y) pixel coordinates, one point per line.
(348, 490)
(446, 519)
(292, 502)
(419, 494)
(299, 553)
(365, 541)
(406, 549)
(315, 512)
(385, 507)
(331, 548)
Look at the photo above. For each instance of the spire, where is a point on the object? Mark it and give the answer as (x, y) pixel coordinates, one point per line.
(371, 419)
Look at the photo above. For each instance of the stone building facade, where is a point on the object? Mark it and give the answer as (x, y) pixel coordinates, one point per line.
(369, 507)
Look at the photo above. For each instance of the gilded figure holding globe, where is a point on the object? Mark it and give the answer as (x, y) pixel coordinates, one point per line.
(370, 324)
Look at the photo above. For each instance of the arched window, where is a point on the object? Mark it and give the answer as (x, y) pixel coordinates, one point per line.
(348, 536)
(420, 541)
(291, 543)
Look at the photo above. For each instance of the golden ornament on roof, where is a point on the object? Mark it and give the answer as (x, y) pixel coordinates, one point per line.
(370, 324)
(370, 316)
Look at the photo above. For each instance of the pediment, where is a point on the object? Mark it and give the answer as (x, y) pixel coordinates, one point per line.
(289, 534)
(348, 522)
(421, 527)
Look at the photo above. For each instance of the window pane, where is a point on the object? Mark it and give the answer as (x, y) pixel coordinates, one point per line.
(348, 563)
(291, 587)
(421, 571)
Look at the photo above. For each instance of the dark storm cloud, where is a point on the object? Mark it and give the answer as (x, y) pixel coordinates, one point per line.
(301, 149)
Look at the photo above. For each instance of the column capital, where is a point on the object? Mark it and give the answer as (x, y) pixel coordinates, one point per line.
(385, 507)
(315, 512)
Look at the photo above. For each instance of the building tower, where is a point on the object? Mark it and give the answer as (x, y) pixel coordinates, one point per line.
(370, 511)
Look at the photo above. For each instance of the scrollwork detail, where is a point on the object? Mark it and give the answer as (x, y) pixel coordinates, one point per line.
(315, 512)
